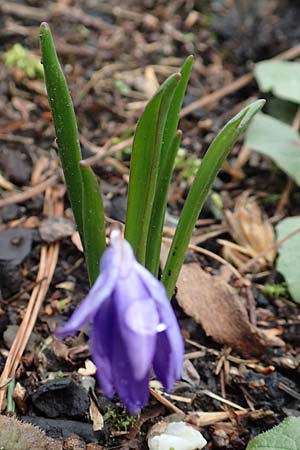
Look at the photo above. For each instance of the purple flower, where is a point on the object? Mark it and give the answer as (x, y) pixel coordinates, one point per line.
(134, 327)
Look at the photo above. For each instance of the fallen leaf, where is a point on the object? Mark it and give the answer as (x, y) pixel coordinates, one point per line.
(252, 230)
(217, 307)
(96, 416)
(189, 373)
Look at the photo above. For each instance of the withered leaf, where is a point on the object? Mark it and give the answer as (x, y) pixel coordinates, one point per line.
(217, 307)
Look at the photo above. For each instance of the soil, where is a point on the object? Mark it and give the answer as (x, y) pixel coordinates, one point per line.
(113, 55)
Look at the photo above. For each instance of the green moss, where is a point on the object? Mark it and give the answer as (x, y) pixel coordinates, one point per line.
(119, 421)
(21, 58)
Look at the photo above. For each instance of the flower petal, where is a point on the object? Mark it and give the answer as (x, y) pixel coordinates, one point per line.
(138, 320)
(101, 343)
(141, 346)
(133, 393)
(168, 358)
(85, 312)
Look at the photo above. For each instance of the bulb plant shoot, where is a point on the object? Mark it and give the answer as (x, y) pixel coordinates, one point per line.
(133, 326)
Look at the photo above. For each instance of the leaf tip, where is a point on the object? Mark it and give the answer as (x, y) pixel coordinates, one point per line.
(45, 25)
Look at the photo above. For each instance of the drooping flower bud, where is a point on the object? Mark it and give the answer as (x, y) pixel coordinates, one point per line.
(134, 327)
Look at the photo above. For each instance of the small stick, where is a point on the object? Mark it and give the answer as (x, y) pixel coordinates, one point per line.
(165, 402)
(103, 152)
(278, 244)
(218, 258)
(53, 205)
(236, 85)
(29, 193)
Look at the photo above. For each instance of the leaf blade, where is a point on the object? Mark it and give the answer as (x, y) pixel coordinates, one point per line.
(210, 166)
(278, 141)
(144, 167)
(93, 222)
(285, 436)
(170, 145)
(64, 121)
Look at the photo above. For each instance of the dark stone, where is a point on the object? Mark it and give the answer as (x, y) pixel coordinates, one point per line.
(15, 245)
(59, 428)
(61, 397)
(10, 279)
(10, 212)
(16, 166)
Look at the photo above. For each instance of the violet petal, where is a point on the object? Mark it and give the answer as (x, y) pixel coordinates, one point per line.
(101, 343)
(85, 312)
(132, 392)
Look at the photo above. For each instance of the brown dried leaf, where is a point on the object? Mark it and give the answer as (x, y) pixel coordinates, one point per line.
(251, 229)
(216, 306)
(151, 84)
(19, 395)
(96, 416)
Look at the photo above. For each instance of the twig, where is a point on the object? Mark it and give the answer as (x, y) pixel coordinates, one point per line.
(165, 402)
(218, 258)
(222, 400)
(29, 193)
(275, 246)
(236, 85)
(53, 205)
(103, 152)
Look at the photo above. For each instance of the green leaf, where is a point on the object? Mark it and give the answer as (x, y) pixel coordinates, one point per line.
(64, 122)
(170, 145)
(172, 118)
(93, 222)
(277, 140)
(280, 77)
(144, 166)
(289, 254)
(159, 208)
(208, 170)
(286, 436)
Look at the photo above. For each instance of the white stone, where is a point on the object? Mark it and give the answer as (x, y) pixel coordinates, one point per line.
(178, 436)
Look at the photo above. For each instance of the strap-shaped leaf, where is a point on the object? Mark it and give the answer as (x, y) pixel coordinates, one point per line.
(170, 145)
(210, 166)
(144, 166)
(64, 121)
(93, 222)
(174, 112)
(160, 205)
